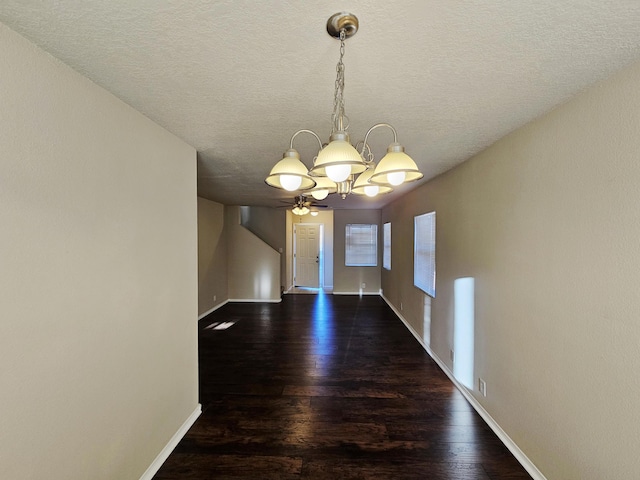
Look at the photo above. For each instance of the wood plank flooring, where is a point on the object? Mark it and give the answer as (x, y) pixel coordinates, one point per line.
(329, 387)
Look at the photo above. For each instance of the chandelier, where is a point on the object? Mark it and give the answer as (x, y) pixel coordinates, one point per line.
(340, 167)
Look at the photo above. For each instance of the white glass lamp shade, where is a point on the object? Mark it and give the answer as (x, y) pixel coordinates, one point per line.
(339, 159)
(395, 168)
(320, 194)
(362, 186)
(338, 173)
(314, 213)
(396, 178)
(300, 210)
(324, 186)
(371, 190)
(290, 173)
(290, 182)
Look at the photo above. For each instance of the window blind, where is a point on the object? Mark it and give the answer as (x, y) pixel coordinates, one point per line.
(386, 245)
(424, 253)
(361, 245)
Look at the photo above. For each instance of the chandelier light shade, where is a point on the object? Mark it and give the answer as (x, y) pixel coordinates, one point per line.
(324, 186)
(362, 185)
(339, 159)
(320, 194)
(339, 167)
(290, 173)
(395, 168)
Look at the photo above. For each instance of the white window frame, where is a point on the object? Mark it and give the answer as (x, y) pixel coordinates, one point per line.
(424, 253)
(362, 253)
(386, 246)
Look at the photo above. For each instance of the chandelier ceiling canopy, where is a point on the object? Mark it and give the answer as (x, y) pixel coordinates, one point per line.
(339, 167)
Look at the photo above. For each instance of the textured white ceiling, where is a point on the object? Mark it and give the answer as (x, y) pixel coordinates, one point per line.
(236, 79)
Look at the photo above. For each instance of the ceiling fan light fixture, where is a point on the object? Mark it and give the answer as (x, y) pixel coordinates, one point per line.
(300, 210)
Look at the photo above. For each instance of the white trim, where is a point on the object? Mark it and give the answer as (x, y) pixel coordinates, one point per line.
(173, 443)
(213, 309)
(528, 465)
(356, 293)
(254, 300)
(325, 289)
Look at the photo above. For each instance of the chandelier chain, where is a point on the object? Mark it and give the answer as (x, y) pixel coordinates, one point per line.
(339, 167)
(338, 117)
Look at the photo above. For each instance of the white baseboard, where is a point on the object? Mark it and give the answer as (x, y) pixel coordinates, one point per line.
(254, 300)
(526, 463)
(166, 451)
(326, 288)
(213, 309)
(356, 293)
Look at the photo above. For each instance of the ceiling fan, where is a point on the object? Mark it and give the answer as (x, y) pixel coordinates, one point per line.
(303, 205)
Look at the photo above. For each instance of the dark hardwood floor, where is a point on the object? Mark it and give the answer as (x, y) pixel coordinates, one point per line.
(329, 387)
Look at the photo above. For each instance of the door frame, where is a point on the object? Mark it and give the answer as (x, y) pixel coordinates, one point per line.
(320, 251)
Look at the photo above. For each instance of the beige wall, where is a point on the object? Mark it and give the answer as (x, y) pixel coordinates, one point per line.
(269, 224)
(98, 343)
(349, 279)
(212, 256)
(253, 266)
(547, 222)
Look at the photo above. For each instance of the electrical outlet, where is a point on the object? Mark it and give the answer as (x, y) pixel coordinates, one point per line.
(215, 297)
(363, 285)
(452, 356)
(482, 387)
(400, 305)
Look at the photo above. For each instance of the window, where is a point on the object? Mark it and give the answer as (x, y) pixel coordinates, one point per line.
(361, 246)
(386, 246)
(424, 253)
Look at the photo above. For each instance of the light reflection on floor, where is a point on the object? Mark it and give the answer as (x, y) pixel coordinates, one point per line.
(323, 332)
(219, 326)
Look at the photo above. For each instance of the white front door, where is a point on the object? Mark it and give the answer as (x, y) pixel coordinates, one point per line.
(306, 255)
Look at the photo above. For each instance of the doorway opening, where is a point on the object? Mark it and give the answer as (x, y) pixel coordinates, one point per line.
(308, 256)
(293, 262)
